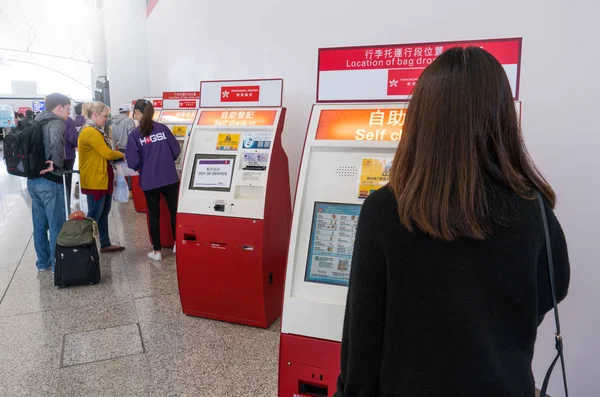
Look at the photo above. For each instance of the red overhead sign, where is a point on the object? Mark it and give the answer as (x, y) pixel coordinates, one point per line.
(389, 72)
(192, 95)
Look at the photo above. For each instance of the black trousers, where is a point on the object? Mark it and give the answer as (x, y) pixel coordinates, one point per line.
(68, 164)
(171, 193)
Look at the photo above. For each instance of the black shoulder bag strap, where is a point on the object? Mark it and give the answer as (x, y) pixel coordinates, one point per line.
(558, 337)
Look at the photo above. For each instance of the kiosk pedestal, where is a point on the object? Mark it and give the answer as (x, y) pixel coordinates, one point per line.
(139, 200)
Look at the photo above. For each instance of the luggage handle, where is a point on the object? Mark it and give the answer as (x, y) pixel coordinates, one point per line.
(67, 209)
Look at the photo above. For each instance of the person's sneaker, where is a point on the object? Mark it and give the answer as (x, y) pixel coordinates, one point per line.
(174, 248)
(155, 256)
(44, 269)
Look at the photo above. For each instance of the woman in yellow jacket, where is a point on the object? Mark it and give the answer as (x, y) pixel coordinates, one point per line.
(97, 175)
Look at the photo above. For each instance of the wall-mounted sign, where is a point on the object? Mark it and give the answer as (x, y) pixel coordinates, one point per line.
(389, 72)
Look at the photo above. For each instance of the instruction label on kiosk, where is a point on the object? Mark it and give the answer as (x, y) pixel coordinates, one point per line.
(257, 140)
(180, 130)
(374, 174)
(332, 243)
(228, 141)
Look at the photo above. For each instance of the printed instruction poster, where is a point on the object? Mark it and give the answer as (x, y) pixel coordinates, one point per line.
(255, 160)
(179, 130)
(257, 140)
(374, 174)
(228, 142)
(213, 173)
(332, 243)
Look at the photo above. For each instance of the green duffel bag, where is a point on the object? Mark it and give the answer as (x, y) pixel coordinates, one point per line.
(77, 232)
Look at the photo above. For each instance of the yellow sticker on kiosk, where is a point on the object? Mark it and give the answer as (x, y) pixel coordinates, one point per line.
(374, 174)
(228, 142)
(179, 130)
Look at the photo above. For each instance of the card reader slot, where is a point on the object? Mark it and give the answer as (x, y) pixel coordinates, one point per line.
(308, 389)
(189, 237)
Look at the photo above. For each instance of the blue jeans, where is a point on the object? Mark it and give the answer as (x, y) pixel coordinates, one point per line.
(48, 213)
(99, 210)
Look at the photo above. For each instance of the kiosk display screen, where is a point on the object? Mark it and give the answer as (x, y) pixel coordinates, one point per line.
(212, 172)
(332, 243)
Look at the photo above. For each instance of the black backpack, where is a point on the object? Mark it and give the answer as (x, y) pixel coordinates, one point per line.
(24, 153)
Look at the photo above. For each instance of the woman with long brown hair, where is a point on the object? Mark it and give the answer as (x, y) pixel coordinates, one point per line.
(449, 276)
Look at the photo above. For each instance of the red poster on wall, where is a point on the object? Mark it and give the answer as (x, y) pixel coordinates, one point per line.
(389, 72)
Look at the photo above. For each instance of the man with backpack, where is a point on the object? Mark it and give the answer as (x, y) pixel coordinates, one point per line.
(46, 188)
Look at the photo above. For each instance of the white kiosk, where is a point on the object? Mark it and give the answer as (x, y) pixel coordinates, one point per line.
(234, 213)
(179, 112)
(347, 155)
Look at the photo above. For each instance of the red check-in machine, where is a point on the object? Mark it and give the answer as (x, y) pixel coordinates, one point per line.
(234, 215)
(179, 112)
(347, 155)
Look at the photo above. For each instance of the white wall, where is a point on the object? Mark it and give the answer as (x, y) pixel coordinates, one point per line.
(192, 40)
(126, 51)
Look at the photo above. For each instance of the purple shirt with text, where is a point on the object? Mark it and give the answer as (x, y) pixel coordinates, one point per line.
(153, 156)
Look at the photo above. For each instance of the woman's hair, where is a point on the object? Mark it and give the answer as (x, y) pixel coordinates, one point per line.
(78, 108)
(147, 110)
(90, 108)
(461, 136)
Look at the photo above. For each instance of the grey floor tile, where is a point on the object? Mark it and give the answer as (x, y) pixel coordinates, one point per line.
(48, 298)
(153, 278)
(102, 344)
(122, 377)
(165, 328)
(254, 355)
(93, 317)
(196, 372)
(29, 356)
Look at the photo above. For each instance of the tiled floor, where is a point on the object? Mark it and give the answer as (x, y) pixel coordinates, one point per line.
(126, 336)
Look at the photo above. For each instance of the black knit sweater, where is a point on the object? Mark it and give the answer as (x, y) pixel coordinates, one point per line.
(426, 317)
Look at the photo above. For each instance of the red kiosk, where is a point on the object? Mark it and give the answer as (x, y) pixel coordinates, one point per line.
(234, 214)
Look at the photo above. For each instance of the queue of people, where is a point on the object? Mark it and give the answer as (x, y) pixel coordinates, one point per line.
(85, 143)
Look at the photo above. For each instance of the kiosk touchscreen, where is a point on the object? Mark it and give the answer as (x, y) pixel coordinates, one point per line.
(179, 112)
(234, 214)
(347, 155)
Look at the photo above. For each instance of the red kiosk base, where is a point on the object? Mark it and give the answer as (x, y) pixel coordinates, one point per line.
(308, 367)
(139, 200)
(226, 273)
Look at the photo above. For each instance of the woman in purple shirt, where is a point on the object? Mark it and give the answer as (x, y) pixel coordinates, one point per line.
(152, 150)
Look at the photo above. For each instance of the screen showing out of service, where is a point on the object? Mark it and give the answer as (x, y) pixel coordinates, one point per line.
(212, 172)
(332, 243)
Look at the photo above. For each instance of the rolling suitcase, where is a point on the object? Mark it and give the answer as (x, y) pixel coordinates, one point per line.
(76, 256)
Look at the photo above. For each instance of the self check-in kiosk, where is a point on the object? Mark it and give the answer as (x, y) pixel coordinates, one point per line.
(352, 137)
(179, 112)
(347, 155)
(234, 214)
